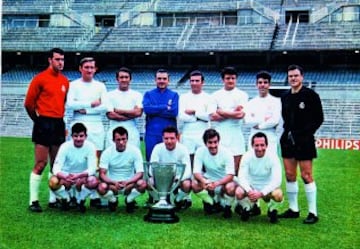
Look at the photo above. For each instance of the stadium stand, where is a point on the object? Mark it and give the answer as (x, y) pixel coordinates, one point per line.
(191, 6)
(33, 6)
(342, 116)
(342, 119)
(145, 76)
(153, 38)
(44, 38)
(14, 120)
(108, 5)
(324, 36)
(80, 5)
(228, 38)
(306, 36)
(236, 25)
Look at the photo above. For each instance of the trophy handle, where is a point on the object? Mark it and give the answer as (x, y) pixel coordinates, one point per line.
(147, 175)
(179, 172)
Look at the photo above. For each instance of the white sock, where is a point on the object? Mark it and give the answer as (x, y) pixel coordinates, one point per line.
(103, 201)
(62, 193)
(110, 196)
(93, 194)
(181, 195)
(245, 203)
(35, 181)
(273, 205)
(228, 200)
(204, 195)
(85, 192)
(217, 197)
(310, 191)
(133, 194)
(188, 196)
(218, 190)
(77, 195)
(73, 192)
(292, 190)
(52, 196)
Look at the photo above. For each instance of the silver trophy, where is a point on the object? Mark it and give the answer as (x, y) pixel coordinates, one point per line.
(163, 179)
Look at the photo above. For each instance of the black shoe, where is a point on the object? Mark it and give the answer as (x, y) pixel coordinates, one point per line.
(81, 206)
(113, 205)
(64, 205)
(73, 202)
(136, 206)
(255, 211)
(245, 215)
(217, 207)
(273, 216)
(95, 203)
(187, 204)
(238, 209)
(311, 219)
(227, 212)
(56, 204)
(289, 214)
(130, 206)
(208, 208)
(178, 205)
(182, 205)
(150, 201)
(35, 207)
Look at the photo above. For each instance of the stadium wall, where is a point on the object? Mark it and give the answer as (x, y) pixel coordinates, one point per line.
(341, 111)
(322, 36)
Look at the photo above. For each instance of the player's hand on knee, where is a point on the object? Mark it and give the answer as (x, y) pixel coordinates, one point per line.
(92, 182)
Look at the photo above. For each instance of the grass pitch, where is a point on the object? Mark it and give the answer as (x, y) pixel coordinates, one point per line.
(336, 173)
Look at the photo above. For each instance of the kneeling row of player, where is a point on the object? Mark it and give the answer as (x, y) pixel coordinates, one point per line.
(212, 178)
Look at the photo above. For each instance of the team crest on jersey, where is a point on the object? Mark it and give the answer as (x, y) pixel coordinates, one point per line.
(63, 88)
(302, 105)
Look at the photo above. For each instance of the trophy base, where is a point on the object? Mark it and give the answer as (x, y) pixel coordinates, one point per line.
(161, 216)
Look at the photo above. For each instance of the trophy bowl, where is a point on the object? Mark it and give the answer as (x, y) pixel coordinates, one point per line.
(162, 179)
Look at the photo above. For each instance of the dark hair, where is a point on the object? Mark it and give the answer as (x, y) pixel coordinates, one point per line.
(86, 59)
(55, 50)
(124, 69)
(228, 70)
(259, 134)
(210, 133)
(121, 131)
(294, 67)
(264, 75)
(77, 128)
(197, 73)
(170, 129)
(162, 70)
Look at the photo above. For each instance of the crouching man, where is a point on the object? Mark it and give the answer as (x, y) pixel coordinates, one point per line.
(171, 151)
(121, 172)
(214, 171)
(74, 169)
(259, 178)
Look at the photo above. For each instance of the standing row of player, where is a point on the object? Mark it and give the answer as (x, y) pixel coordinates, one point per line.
(224, 110)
